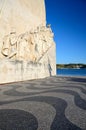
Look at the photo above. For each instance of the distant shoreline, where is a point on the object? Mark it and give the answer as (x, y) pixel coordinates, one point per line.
(70, 66)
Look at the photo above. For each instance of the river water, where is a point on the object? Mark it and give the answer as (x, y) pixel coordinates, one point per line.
(71, 72)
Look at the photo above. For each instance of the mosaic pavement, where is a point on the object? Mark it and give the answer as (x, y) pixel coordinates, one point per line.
(55, 103)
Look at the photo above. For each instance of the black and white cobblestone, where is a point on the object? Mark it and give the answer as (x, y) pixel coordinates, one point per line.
(55, 103)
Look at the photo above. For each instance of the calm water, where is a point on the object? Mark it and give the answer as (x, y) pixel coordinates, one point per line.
(72, 72)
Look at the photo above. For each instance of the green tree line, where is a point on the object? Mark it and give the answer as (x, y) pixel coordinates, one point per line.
(70, 65)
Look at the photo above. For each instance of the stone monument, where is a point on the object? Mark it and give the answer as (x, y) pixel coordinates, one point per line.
(27, 48)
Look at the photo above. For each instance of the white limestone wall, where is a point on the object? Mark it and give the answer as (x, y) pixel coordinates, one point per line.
(27, 48)
(21, 15)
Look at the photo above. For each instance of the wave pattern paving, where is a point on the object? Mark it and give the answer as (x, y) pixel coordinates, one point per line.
(55, 103)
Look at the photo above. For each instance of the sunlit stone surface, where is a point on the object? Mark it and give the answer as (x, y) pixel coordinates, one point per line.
(27, 48)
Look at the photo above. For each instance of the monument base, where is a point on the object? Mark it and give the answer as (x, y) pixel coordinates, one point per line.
(13, 71)
(20, 70)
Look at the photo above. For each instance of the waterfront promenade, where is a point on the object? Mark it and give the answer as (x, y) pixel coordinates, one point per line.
(54, 103)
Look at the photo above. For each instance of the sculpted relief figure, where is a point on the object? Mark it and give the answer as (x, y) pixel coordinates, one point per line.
(29, 46)
(26, 47)
(46, 38)
(38, 42)
(23, 47)
(9, 48)
(32, 46)
(50, 35)
(43, 40)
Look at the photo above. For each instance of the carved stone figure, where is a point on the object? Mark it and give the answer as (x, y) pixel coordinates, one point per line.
(22, 47)
(9, 48)
(29, 46)
(32, 45)
(46, 37)
(26, 47)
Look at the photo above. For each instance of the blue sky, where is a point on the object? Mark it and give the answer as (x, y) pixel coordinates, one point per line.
(68, 22)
